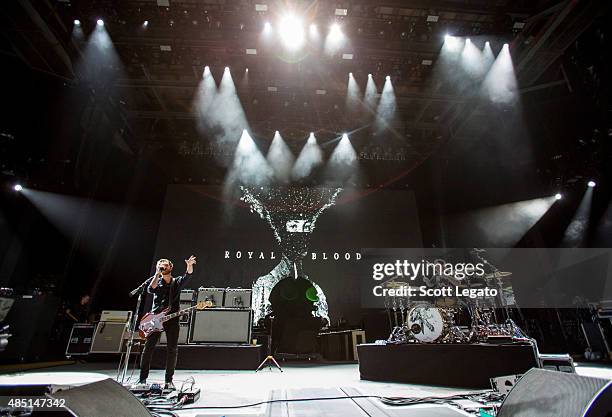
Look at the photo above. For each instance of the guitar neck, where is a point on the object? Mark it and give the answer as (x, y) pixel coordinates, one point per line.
(178, 313)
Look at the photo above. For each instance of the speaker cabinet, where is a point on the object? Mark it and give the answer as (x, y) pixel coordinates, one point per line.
(80, 340)
(183, 338)
(102, 399)
(542, 393)
(31, 320)
(221, 325)
(108, 337)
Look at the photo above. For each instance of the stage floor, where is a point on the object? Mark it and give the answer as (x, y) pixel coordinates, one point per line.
(223, 388)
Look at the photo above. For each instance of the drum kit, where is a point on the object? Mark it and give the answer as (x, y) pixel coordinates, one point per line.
(421, 321)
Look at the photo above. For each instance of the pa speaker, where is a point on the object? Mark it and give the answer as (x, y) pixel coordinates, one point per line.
(542, 393)
(102, 399)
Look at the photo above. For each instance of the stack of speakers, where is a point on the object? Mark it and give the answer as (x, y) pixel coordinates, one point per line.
(227, 321)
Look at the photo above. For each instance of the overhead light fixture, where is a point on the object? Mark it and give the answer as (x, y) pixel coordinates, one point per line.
(291, 31)
(518, 25)
(335, 33)
(251, 51)
(341, 12)
(267, 27)
(100, 22)
(427, 62)
(321, 92)
(591, 184)
(165, 48)
(558, 196)
(163, 3)
(347, 56)
(261, 7)
(145, 23)
(77, 22)
(432, 18)
(18, 187)
(272, 88)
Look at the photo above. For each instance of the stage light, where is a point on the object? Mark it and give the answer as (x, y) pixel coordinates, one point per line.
(487, 43)
(388, 78)
(447, 37)
(591, 184)
(313, 28)
(226, 69)
(77, 22)
(291, 32)
(506, 46)
(369, 75)
(468, 40)
(335, 33)
(246, 70)
(100, 22)
(145, 23)
(267, 27)
(500, 82)
(558, 196)
(17, 187)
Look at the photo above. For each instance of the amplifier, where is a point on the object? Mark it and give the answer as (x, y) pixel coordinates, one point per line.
(221, 325)
(116, 316)
(183, 338)
(237, 298)
(80, 340)
(108, 337)
(215, 295)
(187, 295)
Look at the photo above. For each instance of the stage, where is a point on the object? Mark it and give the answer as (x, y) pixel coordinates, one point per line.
(212, 357)
(454, 365)
(224, 388)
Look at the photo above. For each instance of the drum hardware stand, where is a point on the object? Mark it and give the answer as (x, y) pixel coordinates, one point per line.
(125, 357)
(388, 308)
(270, 358)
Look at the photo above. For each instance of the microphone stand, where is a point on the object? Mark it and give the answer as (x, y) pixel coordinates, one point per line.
(124, 362)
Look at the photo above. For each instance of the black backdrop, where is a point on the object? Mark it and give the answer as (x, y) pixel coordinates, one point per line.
(197, 220)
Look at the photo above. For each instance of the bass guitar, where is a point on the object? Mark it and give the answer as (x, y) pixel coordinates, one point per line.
(152, 323)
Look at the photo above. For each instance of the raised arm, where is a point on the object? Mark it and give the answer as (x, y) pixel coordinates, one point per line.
(190, 263)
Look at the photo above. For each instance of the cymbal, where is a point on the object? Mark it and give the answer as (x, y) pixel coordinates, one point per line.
(498, 274)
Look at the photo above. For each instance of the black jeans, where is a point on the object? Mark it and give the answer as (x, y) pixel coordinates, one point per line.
(171, 327)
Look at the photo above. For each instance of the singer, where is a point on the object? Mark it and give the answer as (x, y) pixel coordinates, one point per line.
(166, 291)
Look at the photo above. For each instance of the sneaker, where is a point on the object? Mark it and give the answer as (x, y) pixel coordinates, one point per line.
(169, 386)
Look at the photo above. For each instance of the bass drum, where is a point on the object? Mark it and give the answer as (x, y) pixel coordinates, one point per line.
(426, 324)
